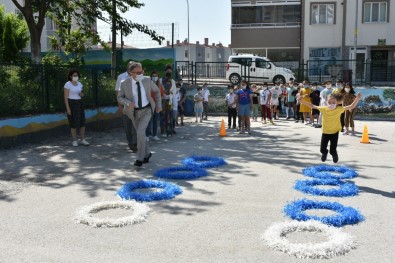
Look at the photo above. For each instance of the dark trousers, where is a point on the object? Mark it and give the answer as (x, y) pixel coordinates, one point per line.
(299, 115)
(325, 139)
(342, 121)
(232, 113)
(266, 112)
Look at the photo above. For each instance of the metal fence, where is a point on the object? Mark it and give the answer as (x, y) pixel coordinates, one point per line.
(369, 72)
(37, 88)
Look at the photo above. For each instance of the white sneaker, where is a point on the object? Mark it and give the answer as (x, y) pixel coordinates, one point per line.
(156, 138)
(84, 142)
(147, 139)
(75, 143)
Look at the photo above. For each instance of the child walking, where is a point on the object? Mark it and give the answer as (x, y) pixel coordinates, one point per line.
(348, 98)
(331, 123)
(198, 99)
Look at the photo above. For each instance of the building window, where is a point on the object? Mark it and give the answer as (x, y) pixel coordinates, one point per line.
(266, 15)
(208, 55)
(323, 14)
(375, 12)
(186, 53)
(199, 55)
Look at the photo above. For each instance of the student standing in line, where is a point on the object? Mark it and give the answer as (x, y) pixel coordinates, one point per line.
(230, 100)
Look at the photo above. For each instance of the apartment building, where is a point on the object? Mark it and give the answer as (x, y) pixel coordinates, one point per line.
(328, 33)
(267, 28)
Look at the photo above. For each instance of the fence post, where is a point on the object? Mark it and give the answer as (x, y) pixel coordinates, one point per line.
(95, 86)
(45, 86)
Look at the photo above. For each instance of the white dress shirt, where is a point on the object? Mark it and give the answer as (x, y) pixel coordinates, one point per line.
(135, 94)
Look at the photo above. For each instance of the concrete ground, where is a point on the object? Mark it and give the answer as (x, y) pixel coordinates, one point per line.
(219, 218)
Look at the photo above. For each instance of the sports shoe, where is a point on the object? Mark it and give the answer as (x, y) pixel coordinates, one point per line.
(84, 142)
(335, 158)
(75, 143)
(147, 138)
(241, 132)
(318, 126)
(346, 133)
(323, 157)
(155, 138)
(264, 122)
(271, 122)
(146, 159)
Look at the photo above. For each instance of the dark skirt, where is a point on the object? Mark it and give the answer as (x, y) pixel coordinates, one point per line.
(77, 117)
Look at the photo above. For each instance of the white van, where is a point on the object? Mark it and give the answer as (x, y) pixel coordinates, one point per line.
(255, 69)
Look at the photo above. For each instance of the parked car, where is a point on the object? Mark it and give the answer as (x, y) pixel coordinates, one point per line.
(255, 69)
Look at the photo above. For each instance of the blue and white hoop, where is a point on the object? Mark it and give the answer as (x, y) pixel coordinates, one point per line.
(326, 172)
(345, 215)
(203, 161)
(181, 172)
(168, 191)
(309, 187)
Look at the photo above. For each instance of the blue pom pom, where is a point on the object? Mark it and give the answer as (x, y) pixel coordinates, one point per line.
(324, 172)
(181, 172)
(203, 161)
(345, 188)
(169, 191)
(345, 215)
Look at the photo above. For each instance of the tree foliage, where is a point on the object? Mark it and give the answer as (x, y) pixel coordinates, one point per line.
(13, 35)
(389, 94)
(75, 20)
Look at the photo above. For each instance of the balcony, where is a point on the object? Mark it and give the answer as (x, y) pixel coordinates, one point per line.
(266, 25)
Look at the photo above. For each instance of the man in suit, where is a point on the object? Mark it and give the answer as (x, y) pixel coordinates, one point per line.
(127, 122)
(135, 95)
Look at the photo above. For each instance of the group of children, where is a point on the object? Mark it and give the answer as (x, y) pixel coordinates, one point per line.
(328, 108)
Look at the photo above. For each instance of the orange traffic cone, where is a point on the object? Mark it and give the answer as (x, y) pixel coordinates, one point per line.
(365, 135)
(222, 131)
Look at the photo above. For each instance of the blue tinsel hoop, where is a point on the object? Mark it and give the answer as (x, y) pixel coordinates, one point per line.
(181, 172)
(203, 161)
(345, 215)
(309, 187)
(327, 172)
(168, 191)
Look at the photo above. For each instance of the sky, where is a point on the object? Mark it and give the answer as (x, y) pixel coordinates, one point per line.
(207, 18)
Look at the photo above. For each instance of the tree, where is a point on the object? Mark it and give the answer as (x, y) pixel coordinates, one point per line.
(34, 12)
(10, 50)
(84, 13)
(19, 31)
(389, 94)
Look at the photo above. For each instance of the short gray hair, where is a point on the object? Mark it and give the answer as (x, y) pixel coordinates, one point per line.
(133, 64)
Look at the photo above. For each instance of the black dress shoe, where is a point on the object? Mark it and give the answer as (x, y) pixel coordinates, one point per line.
(146, 160)
(138, 163)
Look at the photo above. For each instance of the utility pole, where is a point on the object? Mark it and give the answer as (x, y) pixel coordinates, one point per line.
(354, 67)
(114, 38)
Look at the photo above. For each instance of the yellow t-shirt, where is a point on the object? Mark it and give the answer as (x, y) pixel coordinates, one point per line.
(331, 119)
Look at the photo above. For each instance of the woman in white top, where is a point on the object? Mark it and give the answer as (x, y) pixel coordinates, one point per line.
(75, 108)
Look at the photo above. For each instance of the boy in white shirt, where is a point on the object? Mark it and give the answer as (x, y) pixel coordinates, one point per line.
(276, 93)
(231, 107)
(264, 100)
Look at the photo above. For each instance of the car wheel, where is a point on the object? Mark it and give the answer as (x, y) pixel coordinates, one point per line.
(234, 78)
(279, 78)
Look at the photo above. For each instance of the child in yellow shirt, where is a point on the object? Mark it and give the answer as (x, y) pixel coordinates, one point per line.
(331, 123)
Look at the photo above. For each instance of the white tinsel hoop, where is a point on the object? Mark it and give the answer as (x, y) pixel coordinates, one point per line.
(139, 212)
(338, 242)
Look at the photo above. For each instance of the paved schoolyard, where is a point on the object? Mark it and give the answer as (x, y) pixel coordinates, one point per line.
(219, 218)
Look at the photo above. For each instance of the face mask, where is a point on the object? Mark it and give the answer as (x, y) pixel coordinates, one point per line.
(332, 106)
(231, 91)
(244, 87)
(306, 86)
(178, 89)
(276, 87)
(139, 77)
(75, 79)
(338, 85)
(200, 92)
(155, 79)
(328, 86)
(347, 89)
(313, 88)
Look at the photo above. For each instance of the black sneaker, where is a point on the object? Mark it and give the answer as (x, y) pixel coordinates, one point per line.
(146, 160)
(335, 158)
(323, 157)
(133, 147)
(138, 163)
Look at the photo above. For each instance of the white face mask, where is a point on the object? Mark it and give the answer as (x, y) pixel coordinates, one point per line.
(347, 89)
(338, 85)
(155, 79)
(200, 92)
(75, 79)
(139, 77)
(244, 87)
(313, 88)
(332, 106)
(328, 86)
